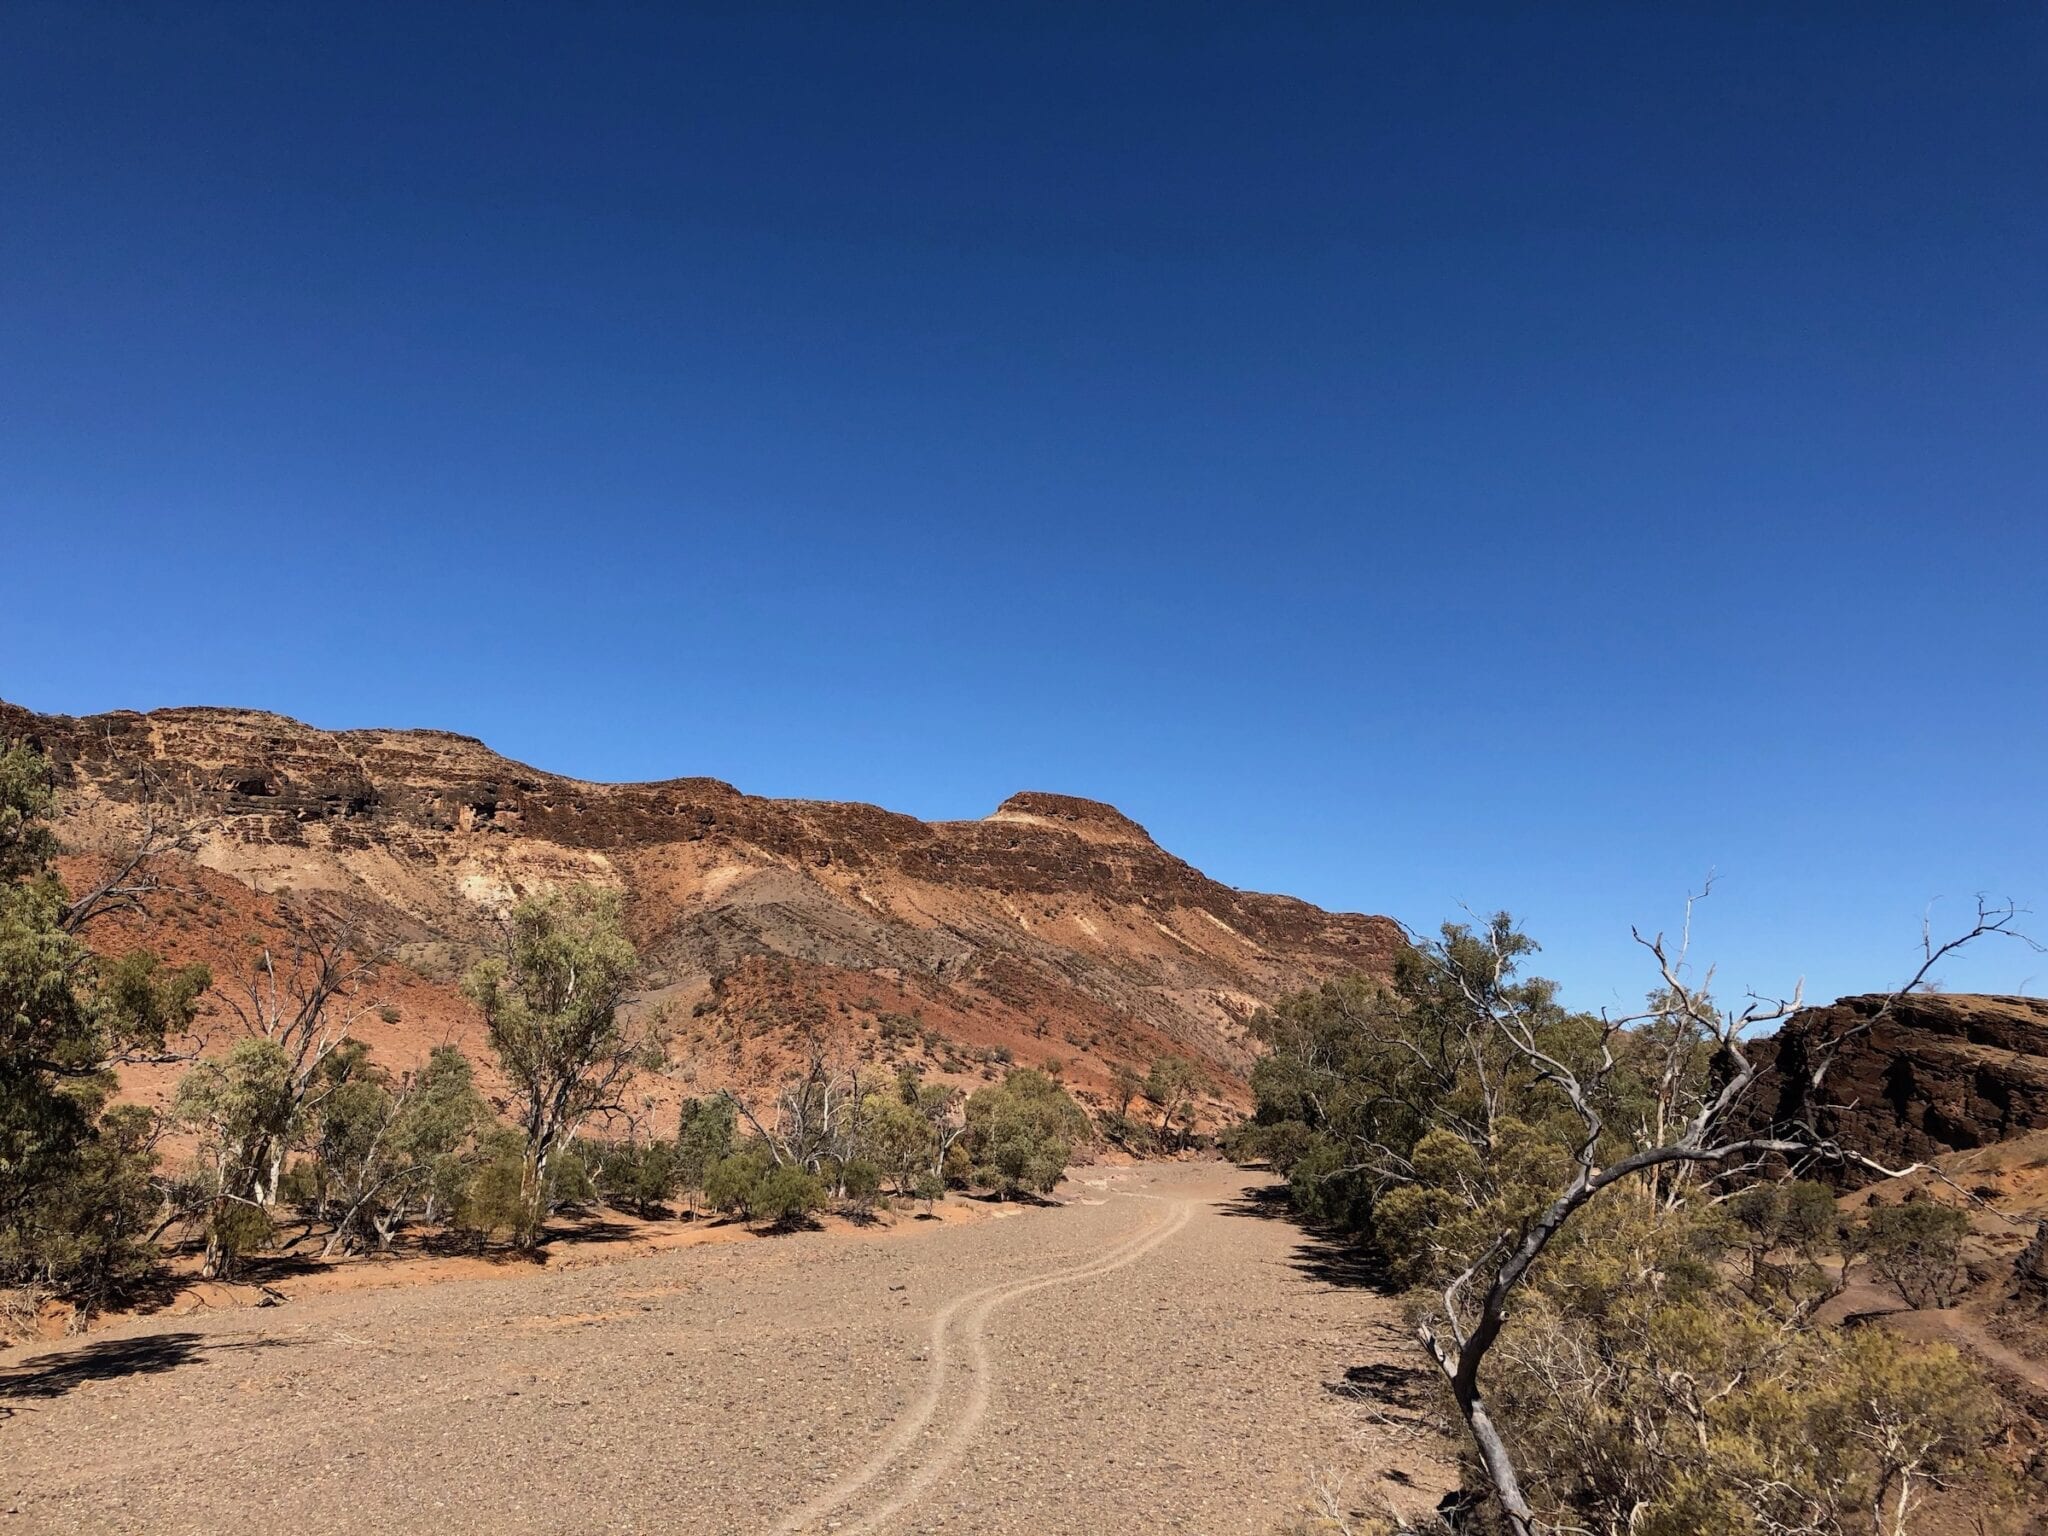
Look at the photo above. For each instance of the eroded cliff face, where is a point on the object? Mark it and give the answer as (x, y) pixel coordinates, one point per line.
(1054, 928)
(1936, 1073)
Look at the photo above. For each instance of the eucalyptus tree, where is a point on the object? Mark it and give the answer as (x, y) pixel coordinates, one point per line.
(551, 999)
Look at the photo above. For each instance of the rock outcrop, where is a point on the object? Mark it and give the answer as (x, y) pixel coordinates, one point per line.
(1933, 1073)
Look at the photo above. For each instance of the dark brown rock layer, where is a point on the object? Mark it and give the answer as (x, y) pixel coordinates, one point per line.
(1932, 1073)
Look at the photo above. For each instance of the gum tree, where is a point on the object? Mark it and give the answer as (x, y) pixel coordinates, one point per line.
(74, 1174)
(551, 999)
(1676, 1119)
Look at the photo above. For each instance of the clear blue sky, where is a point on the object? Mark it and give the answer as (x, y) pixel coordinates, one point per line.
(1439, 455)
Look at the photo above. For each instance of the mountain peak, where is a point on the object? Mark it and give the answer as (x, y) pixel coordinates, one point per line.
(1089, 819)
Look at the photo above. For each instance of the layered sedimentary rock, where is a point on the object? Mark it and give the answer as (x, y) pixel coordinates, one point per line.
(1054, 928)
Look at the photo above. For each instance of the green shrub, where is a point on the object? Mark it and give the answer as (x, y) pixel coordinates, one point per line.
(1917, 1248)
(862, 1181)
(569, 1181)
(635, 1176)
(239, 1229)
(732, 1185)
(786, 1194)
(1021, 1133)
(300, 1187)
(489, 1197)
(704, 1135)
(84, 1234)
(1280, 1146)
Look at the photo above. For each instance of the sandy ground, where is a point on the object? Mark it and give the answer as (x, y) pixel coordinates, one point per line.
(1159, 1352)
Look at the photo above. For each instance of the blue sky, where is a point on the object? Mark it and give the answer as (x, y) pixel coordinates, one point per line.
(1432, 457)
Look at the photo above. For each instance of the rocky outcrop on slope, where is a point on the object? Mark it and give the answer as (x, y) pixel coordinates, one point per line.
(1931, 1073)
(1055, 918)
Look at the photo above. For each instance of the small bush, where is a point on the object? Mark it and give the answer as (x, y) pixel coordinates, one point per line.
(84, 1234)
(897, 1028)
(569, 1180)
(862, 1181)
(238, 1229)
(732, 1185)
(635, 1176)
(1917, 1248)
(786, 1194)
(486, 1199)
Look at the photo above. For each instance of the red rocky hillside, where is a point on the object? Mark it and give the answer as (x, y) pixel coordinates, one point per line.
(1053, 930)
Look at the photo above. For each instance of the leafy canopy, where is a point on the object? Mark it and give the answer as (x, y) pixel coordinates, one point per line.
(74, 1175)
(1021, 1133)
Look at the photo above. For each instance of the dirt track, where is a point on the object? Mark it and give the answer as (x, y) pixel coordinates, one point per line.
(1155, 1354)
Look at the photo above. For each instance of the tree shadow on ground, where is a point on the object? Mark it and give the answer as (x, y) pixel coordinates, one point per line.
(53, 1375)
(591, 1229)
(153, 1291)
(1387, 1384)
(1323, 1253)
(788, 1226)
(1271, 1202)
(264, 1268)
(1015, 1197)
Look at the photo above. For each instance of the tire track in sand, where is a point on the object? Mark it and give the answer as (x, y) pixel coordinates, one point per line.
(979, 1306)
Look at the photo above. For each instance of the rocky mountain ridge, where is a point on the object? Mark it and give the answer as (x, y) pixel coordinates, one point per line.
(1055, 928)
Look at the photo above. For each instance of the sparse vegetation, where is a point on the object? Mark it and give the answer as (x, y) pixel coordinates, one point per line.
(898, 1029)
(296, 1004)
(1659, 1370)
(1605, 1262)
(295, 1116)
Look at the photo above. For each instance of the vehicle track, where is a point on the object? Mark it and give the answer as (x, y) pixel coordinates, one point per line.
(1154, 1357)
(973, 1310)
